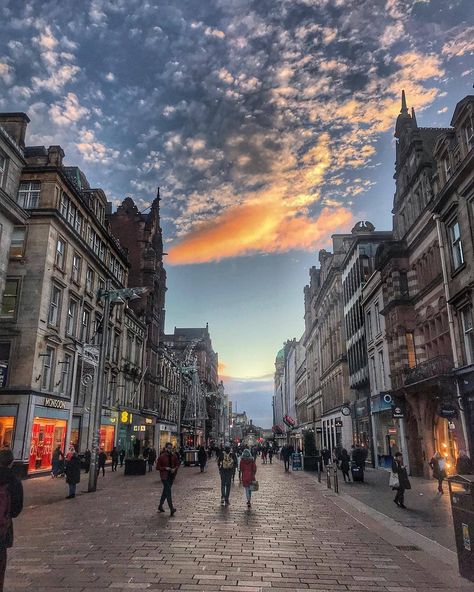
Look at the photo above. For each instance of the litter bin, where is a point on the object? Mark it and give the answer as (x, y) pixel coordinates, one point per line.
(461, 493)
(190, 458)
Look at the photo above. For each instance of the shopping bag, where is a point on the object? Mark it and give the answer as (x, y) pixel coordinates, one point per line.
(394, 482)
(254, 486)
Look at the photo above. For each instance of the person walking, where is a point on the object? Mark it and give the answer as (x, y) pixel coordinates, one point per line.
(167, 464)
(151, 458)
(11, 504)
(114, 455)
(326, 456)
(225, 463)
(464, 464)
(285, 455)
(56, 459)
(438, 466)
(248, 470)
(403, 482)
(121, 456)
(87, 460)
(73, 474)
(345, 465)
(101, 462)
(202, 458)
(270, 454)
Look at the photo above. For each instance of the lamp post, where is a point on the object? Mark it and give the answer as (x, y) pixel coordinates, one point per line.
(108, 296)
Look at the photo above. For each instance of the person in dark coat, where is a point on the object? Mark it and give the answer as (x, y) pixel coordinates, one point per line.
(56, 459)
(202, 458)
(226, 462)
(285, 455)
(114, 455)
(101, 462)
(345, 465)
(326, 456)
(403, 482)
(151, 459)
(464, 464)
(87, 460)
(136, 448)
(168, 465)
(10, 483)
(438, 466)
(122, 456)
(73, 474)
(359, 456)
(270, 454)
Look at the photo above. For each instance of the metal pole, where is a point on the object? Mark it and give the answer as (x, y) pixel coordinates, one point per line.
(336, 480)
(180, 394)
(98, 392)
(452, 334)
(73, 395)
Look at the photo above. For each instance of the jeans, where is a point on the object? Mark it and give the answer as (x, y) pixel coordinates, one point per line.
(72, 489)
(226, 481)
(248, 493)
(400, 496)
(166, 494)
(3, 566)
(114, 465)
(287, 464)
(103, 469)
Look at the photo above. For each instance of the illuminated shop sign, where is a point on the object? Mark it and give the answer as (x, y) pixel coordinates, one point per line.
(55, 403)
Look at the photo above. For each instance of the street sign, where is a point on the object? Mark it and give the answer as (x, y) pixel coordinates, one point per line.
(397, 413)
(447, 411)
(338, 423)
(91, 353)
(319, 430)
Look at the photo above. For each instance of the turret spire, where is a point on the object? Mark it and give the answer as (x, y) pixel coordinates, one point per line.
(404, 109)
(413, 117)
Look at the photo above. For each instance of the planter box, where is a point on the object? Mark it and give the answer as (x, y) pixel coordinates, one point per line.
(135, 466)
(310, 463)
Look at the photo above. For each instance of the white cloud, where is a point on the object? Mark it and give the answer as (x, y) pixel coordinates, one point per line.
(68, 111)
(94, 151)
(6, 73)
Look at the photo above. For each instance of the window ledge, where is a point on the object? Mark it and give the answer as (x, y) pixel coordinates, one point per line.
(458, 270)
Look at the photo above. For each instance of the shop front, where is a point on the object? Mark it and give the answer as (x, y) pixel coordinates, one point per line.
(336, 431)
(362, 427)
(135, 432)
(168, 433)
(388, 431)
(108, 426)
(8, 415)
(48, 432)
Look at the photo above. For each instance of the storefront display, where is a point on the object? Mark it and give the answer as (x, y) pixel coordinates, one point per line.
(47, 434)
(7, 426)
(107, 438)
(446, 440)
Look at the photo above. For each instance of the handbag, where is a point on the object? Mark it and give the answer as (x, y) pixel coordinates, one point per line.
(254, 486)
(394, 481)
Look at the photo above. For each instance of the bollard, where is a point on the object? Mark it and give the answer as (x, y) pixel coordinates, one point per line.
(319, 472)
(336, 480)
(328, 475)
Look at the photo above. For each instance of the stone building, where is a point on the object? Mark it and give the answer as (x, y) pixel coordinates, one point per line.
(415, 309)
(326, 357)
(140, 233)
(453, 206)
(13, 217)
(55, 313)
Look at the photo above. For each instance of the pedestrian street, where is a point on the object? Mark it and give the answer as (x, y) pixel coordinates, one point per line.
(293, 538)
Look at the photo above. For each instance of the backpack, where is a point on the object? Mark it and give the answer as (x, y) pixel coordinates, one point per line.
(5, 514)
(227, 461)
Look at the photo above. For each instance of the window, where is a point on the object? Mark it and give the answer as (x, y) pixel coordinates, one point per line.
(71, 321)
(3, 169)
(468, 334)
(78, 223)
(128, 350)
(66, 373)
(29, 194)
(410, 343)
(101, 288)
(71, 218)
(64, 205)
(54, 305)
(116, 347)
(382, 370)
(447, 167)
(10, 298)
(469, 134)
(403, 283)
(378, 328)
(369, 325)
(76, 268)
(90, 280)
(456, 245)
(17, 245)
(138, 352)
(47, 372)
(4, 362)
(85, 325)
(60, 253)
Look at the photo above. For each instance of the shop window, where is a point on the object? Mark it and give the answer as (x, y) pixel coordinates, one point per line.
(7, 426)
(17, 245)
(10, 299)
(60, 255)
(29, 194)
(456, 245)
(47, 371)
(4, 362)
(54, 306)
(369, 325)
(410, 344)
(46, 435)
(71, 321)
(467, 327)
(377, 317)
(76, 268)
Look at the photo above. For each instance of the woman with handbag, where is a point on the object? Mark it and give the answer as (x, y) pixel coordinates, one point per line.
(248, 469)
(398, 470)
(438, 466)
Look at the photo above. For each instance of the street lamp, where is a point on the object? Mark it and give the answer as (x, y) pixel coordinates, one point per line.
(116, 297)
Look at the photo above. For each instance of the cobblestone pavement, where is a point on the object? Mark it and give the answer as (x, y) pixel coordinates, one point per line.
(293, 538)
(428, 512)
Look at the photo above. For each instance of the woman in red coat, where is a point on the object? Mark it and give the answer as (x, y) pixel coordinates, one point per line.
(248, 469)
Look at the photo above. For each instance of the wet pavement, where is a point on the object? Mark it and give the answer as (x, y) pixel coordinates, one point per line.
(293, 538)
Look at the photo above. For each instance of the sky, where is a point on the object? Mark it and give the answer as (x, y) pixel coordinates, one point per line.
(267, 124)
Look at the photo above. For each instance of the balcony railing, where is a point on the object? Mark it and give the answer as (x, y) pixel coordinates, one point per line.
(441, 365)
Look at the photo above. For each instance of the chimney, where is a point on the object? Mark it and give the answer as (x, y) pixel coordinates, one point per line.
(55, 156)
(15, 126)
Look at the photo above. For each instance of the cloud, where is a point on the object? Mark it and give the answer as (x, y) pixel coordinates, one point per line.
(69, 111)
(6, 73)
(461, 43)
(94, 151)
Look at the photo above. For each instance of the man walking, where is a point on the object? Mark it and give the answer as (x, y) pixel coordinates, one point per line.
(151, 459)
(11, 504)
(285, 455)
(114, 455)
(226, 463)
(168, 464)
(101, 462)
